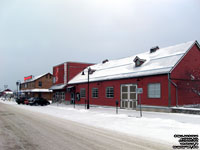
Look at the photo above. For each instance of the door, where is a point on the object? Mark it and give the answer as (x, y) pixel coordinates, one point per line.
(128, 96)
(72, 98)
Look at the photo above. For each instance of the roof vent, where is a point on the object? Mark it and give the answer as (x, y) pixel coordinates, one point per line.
(154, 49)
(105, 61)
(138, 61)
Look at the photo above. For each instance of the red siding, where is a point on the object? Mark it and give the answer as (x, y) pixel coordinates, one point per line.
(181, 75)
(58, 73)
(75, 68)
(142, 83)
(190, 65)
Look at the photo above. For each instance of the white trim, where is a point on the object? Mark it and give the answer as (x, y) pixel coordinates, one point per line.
(136, 100)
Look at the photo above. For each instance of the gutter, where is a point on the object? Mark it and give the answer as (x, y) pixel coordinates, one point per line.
(170, 81)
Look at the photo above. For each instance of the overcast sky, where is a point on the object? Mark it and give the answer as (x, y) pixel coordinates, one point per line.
(36, 35)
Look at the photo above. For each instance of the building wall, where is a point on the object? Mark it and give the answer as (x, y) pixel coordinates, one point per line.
(141, 82)
(75, 68)
(58, 73)
(47, 82)
(187, 76)
(72, 69)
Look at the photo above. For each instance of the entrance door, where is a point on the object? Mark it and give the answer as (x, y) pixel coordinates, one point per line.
(72, 98)
(128, 96)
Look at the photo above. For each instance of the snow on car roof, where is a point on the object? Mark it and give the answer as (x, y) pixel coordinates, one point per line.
(159, 62)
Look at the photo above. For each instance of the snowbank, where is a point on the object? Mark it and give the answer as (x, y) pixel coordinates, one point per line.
(153, 125)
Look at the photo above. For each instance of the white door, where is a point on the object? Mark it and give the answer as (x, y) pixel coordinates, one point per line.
(128, 96)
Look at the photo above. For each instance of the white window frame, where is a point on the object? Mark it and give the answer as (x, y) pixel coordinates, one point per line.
(154, 90)
(62, 95)
(82, 95)
(95, 92)
(109, 92)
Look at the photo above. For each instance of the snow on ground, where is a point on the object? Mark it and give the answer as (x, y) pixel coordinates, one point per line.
(153, 125)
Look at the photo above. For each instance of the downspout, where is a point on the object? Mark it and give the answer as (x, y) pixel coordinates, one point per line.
(170, 81)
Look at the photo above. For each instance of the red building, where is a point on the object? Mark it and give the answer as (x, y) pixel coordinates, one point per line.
(168, 76)
(62, 74)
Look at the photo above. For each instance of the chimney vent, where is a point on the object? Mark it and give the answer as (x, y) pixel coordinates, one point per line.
(154, 49)
(104, 61)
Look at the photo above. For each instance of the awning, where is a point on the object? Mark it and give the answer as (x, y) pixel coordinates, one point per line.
(36, 90)
(70, 87)
(58, 87)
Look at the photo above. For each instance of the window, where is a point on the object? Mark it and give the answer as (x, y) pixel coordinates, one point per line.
(33, 84)
(57, 96)
(154, 90)
(54, 80)
(82, 93)
(109, 92)
(137, 62)
(40, 83)
(95, 92)
(62, 95)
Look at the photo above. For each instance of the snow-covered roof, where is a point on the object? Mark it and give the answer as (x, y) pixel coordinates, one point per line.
(36, 90)
(160, 62)
(8, 92)
(35, 78)
(58, 87)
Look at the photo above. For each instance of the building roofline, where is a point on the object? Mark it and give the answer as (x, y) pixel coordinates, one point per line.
(37, 78)
(195, 42)
(73, 62)
(123, 78)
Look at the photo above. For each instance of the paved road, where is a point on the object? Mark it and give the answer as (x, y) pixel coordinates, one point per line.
(25, 130)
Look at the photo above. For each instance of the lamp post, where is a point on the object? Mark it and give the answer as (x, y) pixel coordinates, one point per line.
(88, 101)
(18, 83)
(89, 71)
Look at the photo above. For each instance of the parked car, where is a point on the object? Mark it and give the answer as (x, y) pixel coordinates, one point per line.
(31, 100)
(21, 100)
(40, 101)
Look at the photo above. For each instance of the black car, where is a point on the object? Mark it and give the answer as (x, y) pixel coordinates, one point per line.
(31, 101)
(40, 101)
(21, 100)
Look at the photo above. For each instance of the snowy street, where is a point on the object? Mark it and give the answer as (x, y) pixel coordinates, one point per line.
(123, 131)
(35, 131)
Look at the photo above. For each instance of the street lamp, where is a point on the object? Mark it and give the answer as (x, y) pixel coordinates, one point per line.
(18, 83)
(89, 71)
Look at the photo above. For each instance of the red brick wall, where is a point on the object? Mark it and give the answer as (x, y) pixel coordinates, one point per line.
(58, 73)
(75, 68)
(142, 83)
(190, 65)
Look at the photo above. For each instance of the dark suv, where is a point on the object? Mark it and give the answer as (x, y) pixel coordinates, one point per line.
(21, 100)
(40, 101)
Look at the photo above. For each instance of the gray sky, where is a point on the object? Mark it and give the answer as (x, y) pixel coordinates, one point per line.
(36, 35)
